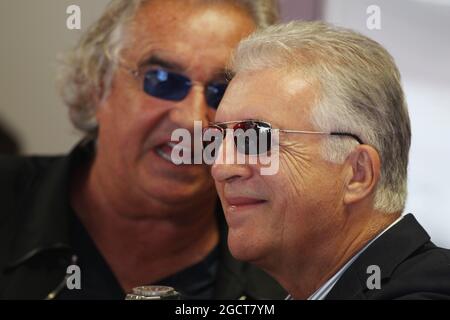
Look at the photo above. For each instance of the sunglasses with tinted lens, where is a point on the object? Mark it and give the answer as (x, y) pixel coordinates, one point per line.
(167, 85)
(254, 137)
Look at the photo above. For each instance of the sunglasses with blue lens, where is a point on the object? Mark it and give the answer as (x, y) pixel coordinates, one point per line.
(168, 85)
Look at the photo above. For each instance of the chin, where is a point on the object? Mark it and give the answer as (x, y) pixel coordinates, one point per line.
(175, 187)
(244, 248)
(174, 193)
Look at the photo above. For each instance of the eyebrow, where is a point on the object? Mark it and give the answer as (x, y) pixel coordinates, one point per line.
(222, 74)
(165, 63)
(228, 74)
(162, 62)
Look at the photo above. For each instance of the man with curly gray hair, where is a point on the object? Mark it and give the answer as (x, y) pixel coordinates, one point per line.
(117, 207)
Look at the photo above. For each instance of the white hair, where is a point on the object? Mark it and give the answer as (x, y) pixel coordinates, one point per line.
(87, 70)
(359, 93)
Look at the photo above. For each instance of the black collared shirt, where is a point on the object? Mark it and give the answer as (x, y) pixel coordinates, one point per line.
(36, 245)
(98, 281)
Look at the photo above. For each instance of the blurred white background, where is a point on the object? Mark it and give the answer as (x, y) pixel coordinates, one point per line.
(415, 32)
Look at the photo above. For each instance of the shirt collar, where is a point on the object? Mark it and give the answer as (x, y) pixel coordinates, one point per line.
(322, 292)
(46, 207)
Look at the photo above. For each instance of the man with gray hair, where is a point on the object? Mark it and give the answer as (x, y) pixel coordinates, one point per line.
(330, 223)
(117, 213)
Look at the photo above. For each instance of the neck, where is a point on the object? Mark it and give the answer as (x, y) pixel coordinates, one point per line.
(148, 248)
(311, 268)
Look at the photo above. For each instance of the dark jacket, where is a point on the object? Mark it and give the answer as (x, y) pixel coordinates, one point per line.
(411, 267)
(34, 234)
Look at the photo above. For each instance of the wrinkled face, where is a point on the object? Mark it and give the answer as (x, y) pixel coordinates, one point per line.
(298, 206)
(186, 37)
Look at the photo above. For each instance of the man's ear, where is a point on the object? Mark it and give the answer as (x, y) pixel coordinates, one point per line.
(364, 169)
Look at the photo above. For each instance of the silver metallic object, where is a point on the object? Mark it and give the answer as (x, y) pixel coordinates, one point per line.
(153, 293)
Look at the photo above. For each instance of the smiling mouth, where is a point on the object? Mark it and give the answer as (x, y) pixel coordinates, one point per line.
(242, 202)
(165, 150)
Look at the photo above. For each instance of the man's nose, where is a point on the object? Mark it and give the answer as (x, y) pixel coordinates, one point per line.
(192, 108)
(226, 167)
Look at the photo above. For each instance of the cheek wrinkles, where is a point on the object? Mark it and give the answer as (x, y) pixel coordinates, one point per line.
(296, 161)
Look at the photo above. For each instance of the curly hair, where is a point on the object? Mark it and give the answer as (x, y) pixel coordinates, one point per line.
(87, 70)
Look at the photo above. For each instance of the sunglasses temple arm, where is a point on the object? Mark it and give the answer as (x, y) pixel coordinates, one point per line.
(326, 133)
(303, 132)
